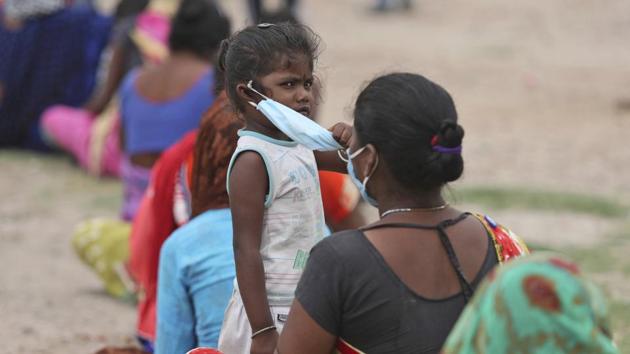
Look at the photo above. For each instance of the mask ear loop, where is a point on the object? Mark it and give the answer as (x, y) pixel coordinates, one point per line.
(250, 86)
(367, 178)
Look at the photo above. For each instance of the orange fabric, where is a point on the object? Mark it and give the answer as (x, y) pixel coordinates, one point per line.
(339, 196)
(153, 223)
(155, 220)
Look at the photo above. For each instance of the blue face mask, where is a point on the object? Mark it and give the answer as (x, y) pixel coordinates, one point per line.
(296, 126)
(362, 186)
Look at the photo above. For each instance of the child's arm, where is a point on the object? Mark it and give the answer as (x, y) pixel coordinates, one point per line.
(248, 186)
(329, 160)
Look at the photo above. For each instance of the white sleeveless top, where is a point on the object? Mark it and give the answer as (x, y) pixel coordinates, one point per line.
(293, 220)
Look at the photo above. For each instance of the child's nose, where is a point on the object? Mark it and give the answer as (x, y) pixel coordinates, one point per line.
(304, 94)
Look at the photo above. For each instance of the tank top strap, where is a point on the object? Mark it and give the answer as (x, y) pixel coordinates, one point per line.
(441, 227)
(450, 251)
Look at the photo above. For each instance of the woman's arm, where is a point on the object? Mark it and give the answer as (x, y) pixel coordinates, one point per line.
(303, 335)
(248, 186)
(115, 73)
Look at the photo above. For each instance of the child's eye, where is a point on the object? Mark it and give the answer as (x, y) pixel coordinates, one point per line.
(308, 83)
(289, 84)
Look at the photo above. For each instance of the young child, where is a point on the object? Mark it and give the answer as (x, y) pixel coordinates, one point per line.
(273, 185)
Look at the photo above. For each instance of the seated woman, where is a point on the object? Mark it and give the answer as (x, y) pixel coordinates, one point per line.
(154, 117)
(159, 104)
(196, 269)
(398, 285)
(49, 55)
(90, 133)
(537, 304)
(179, 190)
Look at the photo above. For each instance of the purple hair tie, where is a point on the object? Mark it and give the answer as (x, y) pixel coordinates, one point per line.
(448, 150)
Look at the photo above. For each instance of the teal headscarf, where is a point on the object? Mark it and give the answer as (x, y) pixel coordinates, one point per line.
(536, 304)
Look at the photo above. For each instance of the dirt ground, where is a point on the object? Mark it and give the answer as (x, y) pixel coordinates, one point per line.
(538, 87)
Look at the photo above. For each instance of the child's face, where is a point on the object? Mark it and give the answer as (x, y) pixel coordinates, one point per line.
(292, 85)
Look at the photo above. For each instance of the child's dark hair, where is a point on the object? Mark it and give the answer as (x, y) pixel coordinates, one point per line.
(404, 116)
(199, 26)
(259, 50)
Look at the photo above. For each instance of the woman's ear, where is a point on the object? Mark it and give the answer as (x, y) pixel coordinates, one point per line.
(368, 161)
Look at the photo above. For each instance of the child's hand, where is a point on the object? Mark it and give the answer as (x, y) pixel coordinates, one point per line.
(342, 132)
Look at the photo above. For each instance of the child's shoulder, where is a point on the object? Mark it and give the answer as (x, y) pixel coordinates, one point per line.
(248, 137)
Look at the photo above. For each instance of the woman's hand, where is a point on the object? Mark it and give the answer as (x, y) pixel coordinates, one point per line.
(265, 343)
(342, 132)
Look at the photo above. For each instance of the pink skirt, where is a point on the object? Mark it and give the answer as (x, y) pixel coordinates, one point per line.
(93, 141)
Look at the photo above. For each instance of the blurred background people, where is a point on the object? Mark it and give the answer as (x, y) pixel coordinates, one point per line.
(260, 14)
(91, 133)
(389, 5)
(49, 54)
(159, 104)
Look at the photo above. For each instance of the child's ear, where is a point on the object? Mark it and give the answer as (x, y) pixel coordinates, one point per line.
(245, 94)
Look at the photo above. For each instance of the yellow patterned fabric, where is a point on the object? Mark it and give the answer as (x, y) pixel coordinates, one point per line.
(103, 244)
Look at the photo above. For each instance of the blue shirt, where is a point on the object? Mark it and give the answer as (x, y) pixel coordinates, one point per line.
(154, 126)
(195, 283)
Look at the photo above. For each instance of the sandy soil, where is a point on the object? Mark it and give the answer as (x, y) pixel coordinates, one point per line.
(536, 85)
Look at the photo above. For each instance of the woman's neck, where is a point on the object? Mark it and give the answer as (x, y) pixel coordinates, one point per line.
(411, 199)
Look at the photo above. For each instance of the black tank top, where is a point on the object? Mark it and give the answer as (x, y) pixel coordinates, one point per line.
(350, 291)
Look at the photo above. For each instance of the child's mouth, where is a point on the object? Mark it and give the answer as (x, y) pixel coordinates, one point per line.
(306, 111)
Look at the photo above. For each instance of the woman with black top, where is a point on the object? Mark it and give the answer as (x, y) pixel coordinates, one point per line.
(398, 285)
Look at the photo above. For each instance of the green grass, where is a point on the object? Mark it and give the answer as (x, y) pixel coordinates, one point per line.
(522, 198)
(620, 319)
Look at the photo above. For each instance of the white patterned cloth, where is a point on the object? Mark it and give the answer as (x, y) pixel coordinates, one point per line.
(23, 9)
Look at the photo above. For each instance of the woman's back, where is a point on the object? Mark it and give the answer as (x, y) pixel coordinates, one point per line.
(419, 258)
(160, 104)
(172, 79)
(395, 289)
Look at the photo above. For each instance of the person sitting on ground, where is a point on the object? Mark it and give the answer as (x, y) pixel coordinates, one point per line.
(90, 133)
(159, 104)
(536, 304)
(49, 54)
(399, 284)
(196, 268)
